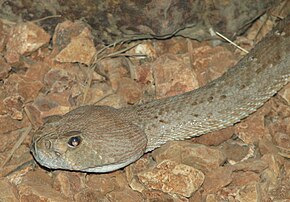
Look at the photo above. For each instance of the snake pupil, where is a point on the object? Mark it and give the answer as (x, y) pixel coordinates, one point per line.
(74, 141)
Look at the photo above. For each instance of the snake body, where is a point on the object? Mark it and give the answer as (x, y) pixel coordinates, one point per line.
(102, 139)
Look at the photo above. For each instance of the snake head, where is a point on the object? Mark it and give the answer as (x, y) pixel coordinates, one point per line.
(89, 139)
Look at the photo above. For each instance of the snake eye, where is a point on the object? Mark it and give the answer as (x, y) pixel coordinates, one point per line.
(74, 141)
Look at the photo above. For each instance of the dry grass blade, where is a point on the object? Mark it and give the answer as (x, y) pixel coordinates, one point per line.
(99, 56)
(231, 42)
(17, 144)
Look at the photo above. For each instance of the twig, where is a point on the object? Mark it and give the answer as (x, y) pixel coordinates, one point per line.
(47, 17)
(228, 40)
(17, 144)
(96, 59)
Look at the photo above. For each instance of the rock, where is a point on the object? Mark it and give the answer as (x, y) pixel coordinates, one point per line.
(274, 162)
(8, 124)
(147, 49)
(217, 179)
(125, 195)
(113, 100)
(285, 93)
(255, 165)
(27, 88)
(250, 192)
(214, 138)
(133, 169)
(107, 183)
(64, 32)
(143, 74)
(252, 129)
(5, 68)
(68, 183)
(25, 38)
(243, 178)
(281, 140)
(173, 76)
(37, 186)
(37, 70)
(195, 155)
(80, 49)
(207, 62)
(88, 195)
(234, 150)
(153, 195)
(129, 90)
(266, 146)
(97, 93)
(4, 34)
(8, 191)
(174, 178)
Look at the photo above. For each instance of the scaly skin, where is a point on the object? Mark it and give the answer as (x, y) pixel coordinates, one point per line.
(103, 139)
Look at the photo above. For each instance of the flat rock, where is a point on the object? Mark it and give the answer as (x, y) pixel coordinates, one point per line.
(196, 155)
(23, 39)
(80, 49)
(174, 178)
(8, 191)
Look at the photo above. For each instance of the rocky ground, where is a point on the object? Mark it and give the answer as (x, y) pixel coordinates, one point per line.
(43, 75)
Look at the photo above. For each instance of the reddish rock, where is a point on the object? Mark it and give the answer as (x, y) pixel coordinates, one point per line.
(37, 70)
(114, 69)
(175, 45)
(68, 183)
(146, 48)
(88, 195)
(210, 63)
(4, 34)
(25, 38)
(235, 150)
(195, 155)
(215, 138)
(132, 170)
(5, 68)
(249, 192)
(80, 49)
(58, 79)
(14, 106)
(143, 74)
(28, 88)
(8, 191)
(153, 195)
(125, 195)
(244, 178)
(129, 90)
(252, 129)
(106, 183)
(113, 100)
(174, 178)
(285, 93)
(217, 179)
(255, 165)
(266, 146)
(64, 32)
(37, 186)
(8, 124)
(173, 76)
(97, 93)
(282, 140)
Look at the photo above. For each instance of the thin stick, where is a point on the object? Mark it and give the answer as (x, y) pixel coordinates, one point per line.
(47, 17)
(234, 44)
(17, 144)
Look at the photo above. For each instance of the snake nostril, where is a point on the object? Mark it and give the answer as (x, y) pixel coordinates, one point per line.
(47, 144)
